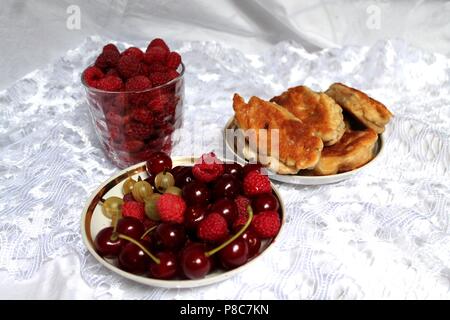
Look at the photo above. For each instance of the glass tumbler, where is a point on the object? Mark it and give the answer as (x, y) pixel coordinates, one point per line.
(131, 125)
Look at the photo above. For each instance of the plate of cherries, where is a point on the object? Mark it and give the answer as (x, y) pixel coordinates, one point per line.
(182, 222)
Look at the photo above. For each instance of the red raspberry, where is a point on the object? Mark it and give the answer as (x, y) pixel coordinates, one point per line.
(142, 115)
(132, 145)
(135, 52)
(128, 66)
(213, 228)
(172, 74)
(158, 78)
(145, 69)
(266, 224)
(107, 59)
(113, 72)
(157, 104)
(155, 55)
(173, 60)
(92, 75)
(120, 103)
(241, 203)
(171, 208)
(138, 130)
(157, 67)
(208, 168)
(138, 83)
(113, 118)
(114, 133)
(110, 47)
(256, 183)
(110, 83)
(158, 43)
(133, 209)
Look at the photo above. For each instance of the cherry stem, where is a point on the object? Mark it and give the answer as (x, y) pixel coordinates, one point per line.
(148, 231)
(237, 235)
(133, 241)
(115, 222)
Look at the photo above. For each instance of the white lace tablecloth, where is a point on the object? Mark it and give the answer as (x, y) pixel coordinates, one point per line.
(383, 234)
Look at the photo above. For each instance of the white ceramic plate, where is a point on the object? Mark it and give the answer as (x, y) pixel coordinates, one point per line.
(300, 179)
(93, 220)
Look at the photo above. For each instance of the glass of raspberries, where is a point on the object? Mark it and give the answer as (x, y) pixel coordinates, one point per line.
(135, 99)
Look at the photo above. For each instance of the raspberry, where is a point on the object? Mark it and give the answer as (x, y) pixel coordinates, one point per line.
(256, 183)
(157, 67)
(128, 66)
(110, 47)
(142, 115)
(120, 103)
(241, 204)
(266, 224)
(145, 69)
(171, 208)
(114, 118)
(112, 72)
(249, 167)
(110, 83)
(156, 54)
(132, 145)
(208, 169)
(158, 78)
(213, 228)
(92, 75)
(158, 43)
(133, 209)
(157, 104)
(138, 83)
(135, 52)
(114, 133)
(173, 60)
(172, 74)
(107, 59)
(138, 130)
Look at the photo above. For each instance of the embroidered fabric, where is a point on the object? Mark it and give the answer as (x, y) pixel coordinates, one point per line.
(382, 234)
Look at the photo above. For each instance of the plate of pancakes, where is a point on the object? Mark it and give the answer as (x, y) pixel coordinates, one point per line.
(307, 137)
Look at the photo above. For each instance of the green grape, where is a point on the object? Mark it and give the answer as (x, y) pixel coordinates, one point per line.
(142, 190)
(128, 185)
(174, 190)
(164, 180)
(150, 207)
(111, 206)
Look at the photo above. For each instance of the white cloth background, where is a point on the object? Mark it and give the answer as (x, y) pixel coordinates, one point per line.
(383, 235)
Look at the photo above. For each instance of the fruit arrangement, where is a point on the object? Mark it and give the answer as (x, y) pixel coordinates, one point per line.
(184, 222)
(135, 99)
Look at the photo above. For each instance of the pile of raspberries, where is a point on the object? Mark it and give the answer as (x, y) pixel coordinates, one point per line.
(133, 70)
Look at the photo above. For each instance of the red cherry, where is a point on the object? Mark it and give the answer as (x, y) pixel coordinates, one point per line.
(157, 162)
(170, 236)
(131, 227)
(167, 268)
(106, 247)
(194, 262)
(196, 193)
(227, 186)
(182, 175)
(235, 254)
(193, 216)
(226, 208)
(235, 169)
(253, 242)
(133, 259)
(265, 202)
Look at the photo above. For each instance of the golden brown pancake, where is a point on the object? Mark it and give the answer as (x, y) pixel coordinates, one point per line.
(316, 110)
(354, 150)
(298, 147)
(367, 110)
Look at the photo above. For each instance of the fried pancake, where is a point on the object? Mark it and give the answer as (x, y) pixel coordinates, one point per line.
(317, 110)
(354, 150)
(367, 110)
(298, 147)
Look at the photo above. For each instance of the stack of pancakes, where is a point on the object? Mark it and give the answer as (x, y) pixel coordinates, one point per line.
(325, 132)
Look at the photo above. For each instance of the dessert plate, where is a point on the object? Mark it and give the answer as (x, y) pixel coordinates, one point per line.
(93, 220)
(299, 179)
